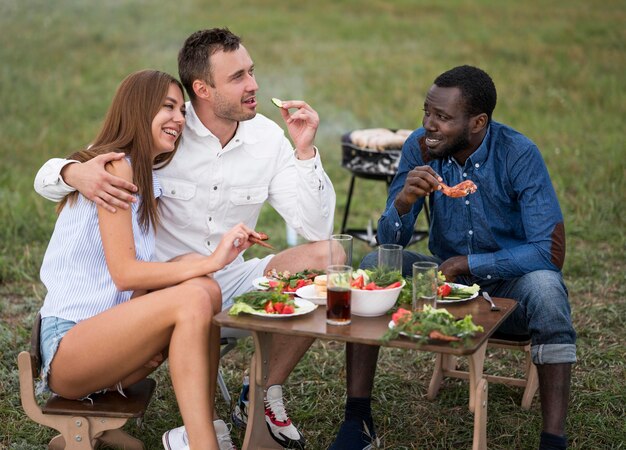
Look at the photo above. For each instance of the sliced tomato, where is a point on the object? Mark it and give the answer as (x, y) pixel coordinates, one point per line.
(394, 285)
(400, 314)
(371, 286)
(272, 284)
(443, 290)
(278, 307)
(358, 282)
(288, 309)
(269, 307)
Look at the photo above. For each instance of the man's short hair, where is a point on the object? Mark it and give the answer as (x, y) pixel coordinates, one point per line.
(194, 57)
(477, 88)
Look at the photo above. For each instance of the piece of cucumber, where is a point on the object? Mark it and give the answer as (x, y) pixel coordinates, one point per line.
(277, 102)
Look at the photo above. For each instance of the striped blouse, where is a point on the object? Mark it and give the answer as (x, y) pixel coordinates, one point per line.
(74, 268)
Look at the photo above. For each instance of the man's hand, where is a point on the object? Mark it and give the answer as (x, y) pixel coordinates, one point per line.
(93, 181)
(302, 126)
(420, 182)
(455, 266)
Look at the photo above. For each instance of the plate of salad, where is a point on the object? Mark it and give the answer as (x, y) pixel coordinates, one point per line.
(431, 325)
(455, 293)
(270, 304)
(286, 282)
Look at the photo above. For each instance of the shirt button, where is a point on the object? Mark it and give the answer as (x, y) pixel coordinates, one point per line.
(467, 202)
(315, 166)
(397, 224)
(470, 232)
(464, 175)
(208, 243)
(248, 197)
(173, 191)
(215, 188)
(477, 165)
(489, 277)
(210, 219)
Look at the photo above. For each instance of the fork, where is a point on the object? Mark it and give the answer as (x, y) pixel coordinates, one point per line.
(487, 297)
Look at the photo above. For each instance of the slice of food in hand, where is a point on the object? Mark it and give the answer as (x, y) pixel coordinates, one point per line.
(460, 190)
(277, 102)
(260, 240)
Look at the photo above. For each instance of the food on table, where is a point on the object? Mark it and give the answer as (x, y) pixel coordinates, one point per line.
(268, 302)
(287, 282)
(379, 278)
(460, 190)
(277, 102)
(320, 285)
(262, 237)
(431, 323)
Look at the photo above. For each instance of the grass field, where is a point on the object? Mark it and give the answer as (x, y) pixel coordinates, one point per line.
(559, 69)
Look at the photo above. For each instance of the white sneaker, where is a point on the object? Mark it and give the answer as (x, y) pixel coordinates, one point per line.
(222, 430)
(176, 439)
(278, 423)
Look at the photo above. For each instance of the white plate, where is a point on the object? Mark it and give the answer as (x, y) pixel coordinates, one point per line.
(458, 300)
(302, 307)
(310, 293)
(257, 284)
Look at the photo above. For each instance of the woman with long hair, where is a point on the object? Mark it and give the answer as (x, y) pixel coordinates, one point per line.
(111, 314)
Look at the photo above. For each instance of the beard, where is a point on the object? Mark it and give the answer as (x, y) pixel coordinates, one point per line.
(232, 111)
(459, 144)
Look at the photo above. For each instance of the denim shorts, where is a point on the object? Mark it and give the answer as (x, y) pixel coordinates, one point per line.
(52, 331)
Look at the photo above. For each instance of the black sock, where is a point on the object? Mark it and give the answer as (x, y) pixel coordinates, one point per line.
(359, 408)
(550, 441)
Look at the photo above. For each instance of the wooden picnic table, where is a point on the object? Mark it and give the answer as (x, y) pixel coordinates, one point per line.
(365, 330)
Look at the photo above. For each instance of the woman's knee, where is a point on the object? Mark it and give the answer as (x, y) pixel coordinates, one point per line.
(197, 300)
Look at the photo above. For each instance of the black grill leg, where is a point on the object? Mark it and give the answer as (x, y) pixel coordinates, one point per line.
(348, 201)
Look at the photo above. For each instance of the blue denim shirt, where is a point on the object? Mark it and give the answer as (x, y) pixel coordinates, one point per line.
(510, 226)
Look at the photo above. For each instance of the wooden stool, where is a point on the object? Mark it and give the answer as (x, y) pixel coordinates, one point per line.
(82, 424)
(445, 366)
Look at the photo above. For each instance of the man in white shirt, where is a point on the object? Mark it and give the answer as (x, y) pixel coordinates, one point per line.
(230, 161)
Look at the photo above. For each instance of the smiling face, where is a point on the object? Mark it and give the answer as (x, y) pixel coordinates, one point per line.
(446, 123)
(169, 121)
(233, 92)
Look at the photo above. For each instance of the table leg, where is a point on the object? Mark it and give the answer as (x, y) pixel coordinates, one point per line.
(476, 364)
(480, 416)
(257, 436)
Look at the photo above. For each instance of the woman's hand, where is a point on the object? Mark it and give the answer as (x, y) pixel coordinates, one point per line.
(233, 242)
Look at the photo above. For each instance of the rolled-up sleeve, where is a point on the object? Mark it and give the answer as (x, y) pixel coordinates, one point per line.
(49, 183)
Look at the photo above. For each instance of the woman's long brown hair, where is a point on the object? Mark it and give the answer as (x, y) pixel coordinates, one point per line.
(128, 128)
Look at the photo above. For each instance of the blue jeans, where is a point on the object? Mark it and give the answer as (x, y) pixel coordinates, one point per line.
(543, 310)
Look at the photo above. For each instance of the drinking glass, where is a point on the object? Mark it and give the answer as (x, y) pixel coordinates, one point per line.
(390, 257)
(341, 250)
(338, 294)
(424, 285)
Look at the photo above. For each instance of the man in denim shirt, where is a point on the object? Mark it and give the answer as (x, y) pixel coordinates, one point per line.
(508, 237)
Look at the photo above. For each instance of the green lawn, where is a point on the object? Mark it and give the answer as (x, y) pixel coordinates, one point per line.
(559, 69)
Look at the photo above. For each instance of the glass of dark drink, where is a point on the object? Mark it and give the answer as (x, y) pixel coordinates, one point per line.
(338, 294)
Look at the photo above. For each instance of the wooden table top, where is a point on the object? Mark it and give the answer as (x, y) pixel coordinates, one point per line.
(369, 330)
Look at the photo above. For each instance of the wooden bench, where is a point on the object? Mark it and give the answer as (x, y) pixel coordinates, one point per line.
(82, 424)
(445, 366)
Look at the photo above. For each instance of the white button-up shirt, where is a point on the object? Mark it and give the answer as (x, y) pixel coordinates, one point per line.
(208, 189)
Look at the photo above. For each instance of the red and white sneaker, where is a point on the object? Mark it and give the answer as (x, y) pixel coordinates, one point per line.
(278, 423)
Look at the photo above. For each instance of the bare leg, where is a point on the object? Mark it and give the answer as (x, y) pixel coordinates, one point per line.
(119, 342)
(554, 387)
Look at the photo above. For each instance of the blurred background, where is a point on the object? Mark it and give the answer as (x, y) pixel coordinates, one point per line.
(558, 67)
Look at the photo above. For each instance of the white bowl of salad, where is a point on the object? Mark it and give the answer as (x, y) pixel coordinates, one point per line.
(374, 293)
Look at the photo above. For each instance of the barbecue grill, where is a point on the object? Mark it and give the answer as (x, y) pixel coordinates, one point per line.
(371, 164)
